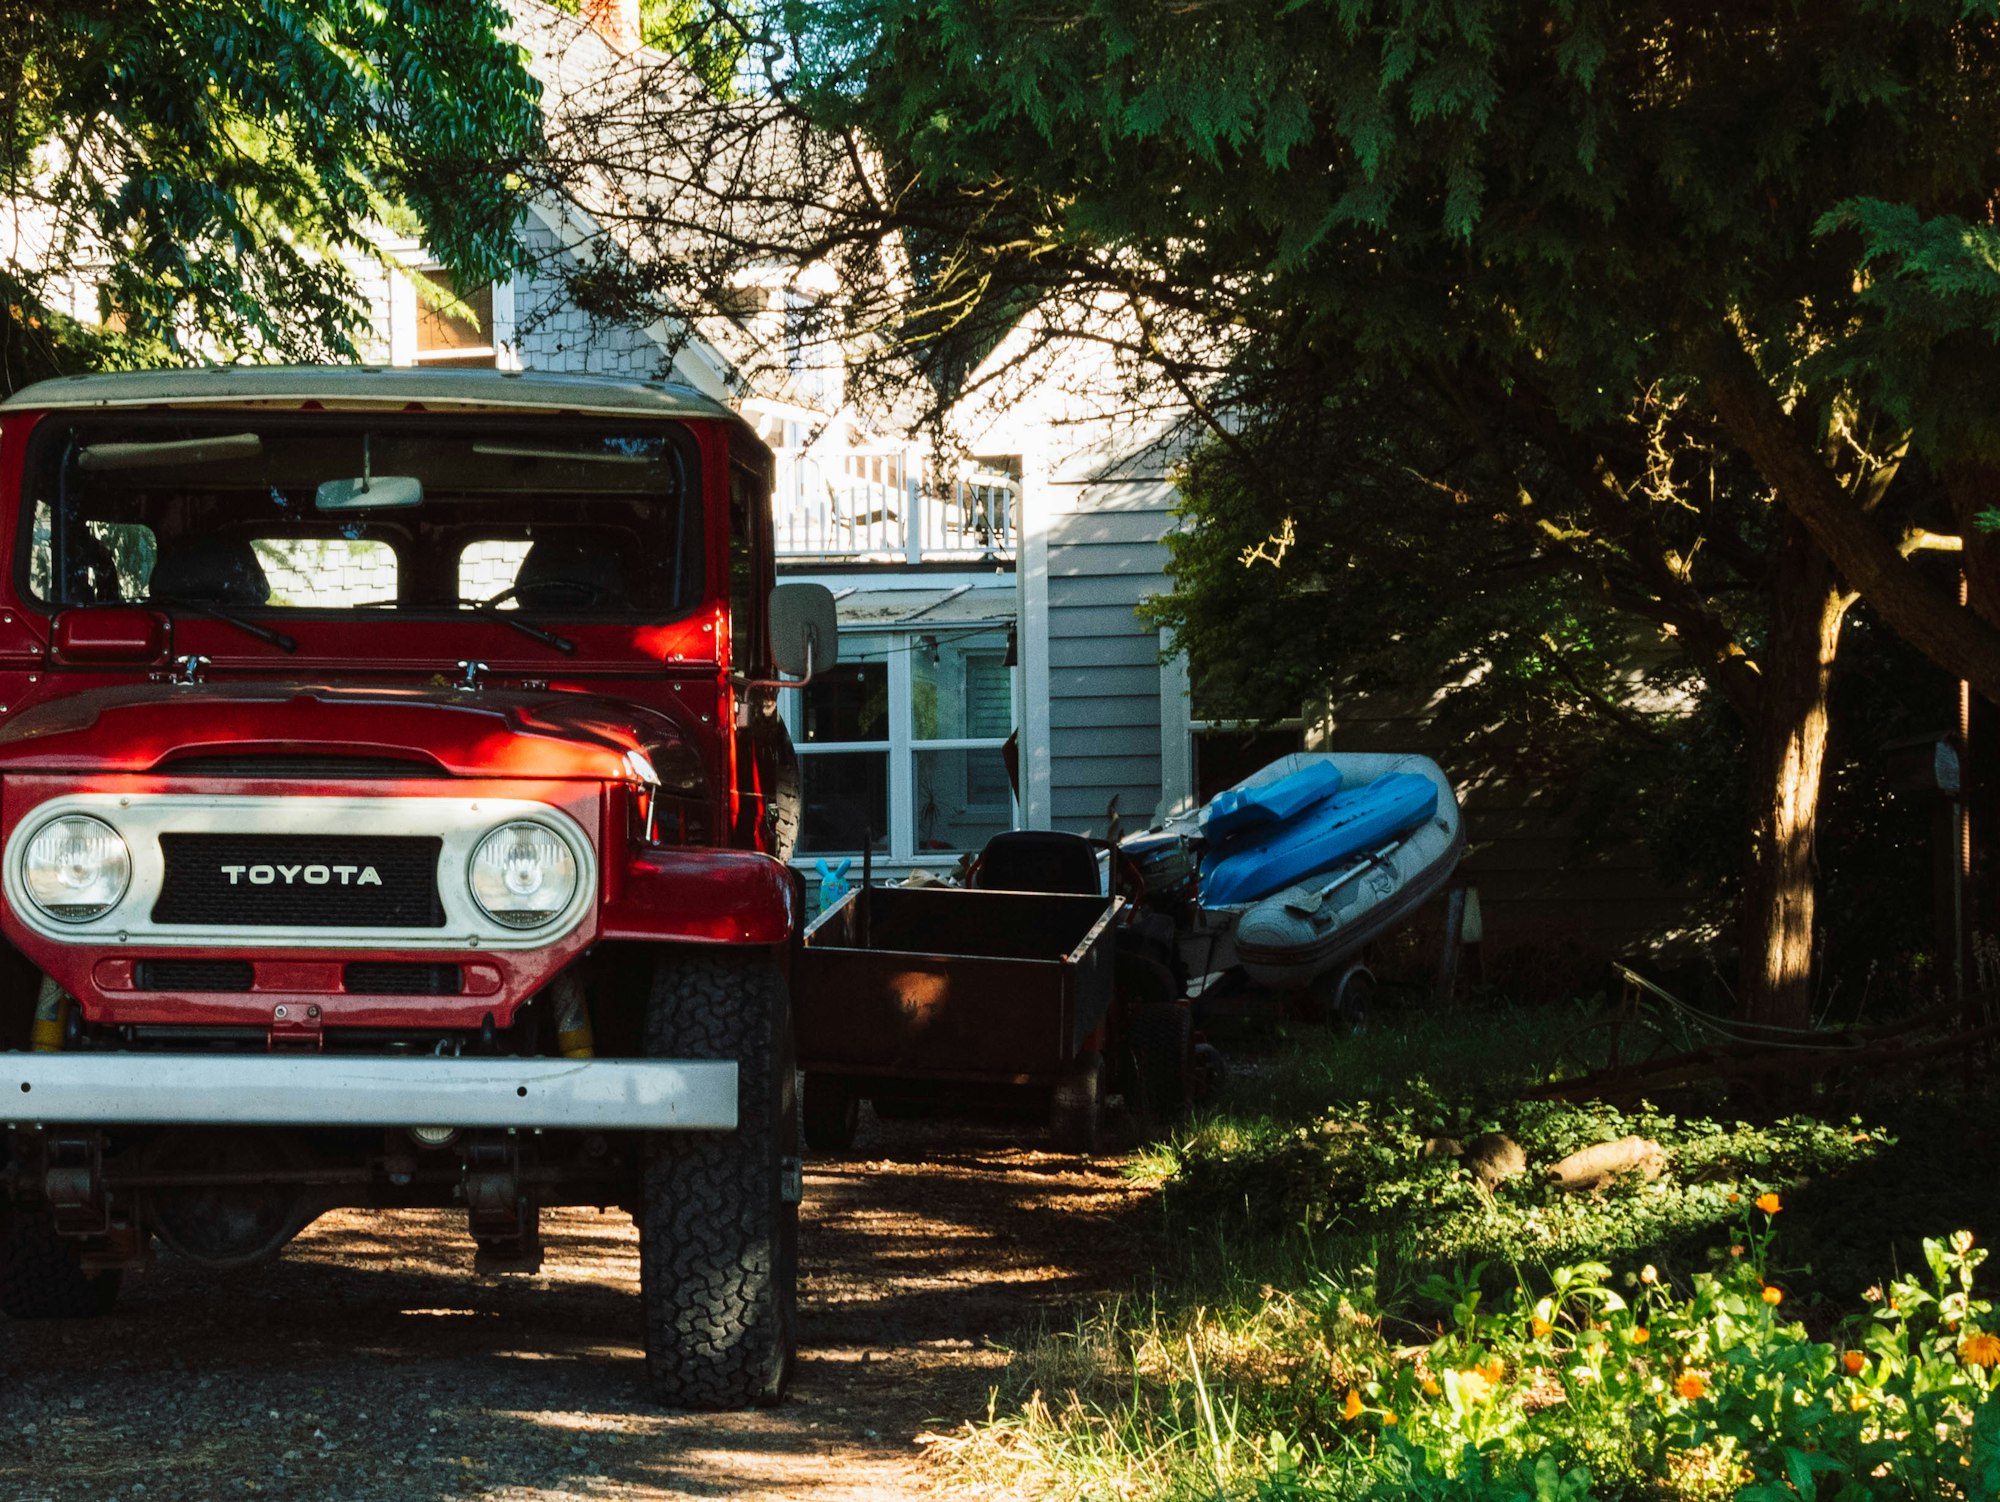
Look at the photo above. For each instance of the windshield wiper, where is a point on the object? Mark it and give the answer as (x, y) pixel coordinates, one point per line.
(277, 639)
(487, 610)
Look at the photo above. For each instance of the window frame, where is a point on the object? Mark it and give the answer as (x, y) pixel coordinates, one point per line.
(406, 316)
(688, 461)
(901, 744)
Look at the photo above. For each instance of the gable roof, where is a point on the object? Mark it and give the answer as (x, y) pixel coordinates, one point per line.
(649, 168)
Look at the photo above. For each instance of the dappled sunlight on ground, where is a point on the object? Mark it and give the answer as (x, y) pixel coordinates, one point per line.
(370, 1364)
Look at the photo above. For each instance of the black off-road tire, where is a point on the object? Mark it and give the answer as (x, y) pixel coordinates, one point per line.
(1077, 1106)
(40, 1277)
(718, 1222)
(1161, 1043)
(830, 1112)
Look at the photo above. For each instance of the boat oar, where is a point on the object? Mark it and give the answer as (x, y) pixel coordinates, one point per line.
(1305, 906)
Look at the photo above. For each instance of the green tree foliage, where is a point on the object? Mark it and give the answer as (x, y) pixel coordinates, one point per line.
(1564, 203)
(209, 165)
(1648, 266)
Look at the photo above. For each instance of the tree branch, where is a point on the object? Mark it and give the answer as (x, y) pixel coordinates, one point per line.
(1956, 639)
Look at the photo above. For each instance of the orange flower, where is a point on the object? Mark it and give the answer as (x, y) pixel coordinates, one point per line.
(1540, 1327)
(1389, 1420)
(1736, 1251)
(1690, 1384)
(1649, 1274)
(1768, 1203)
(1431, 1387)
(1853, 1362)
(1492, 1370)
(1980, 1349)
(1857, 1400)
(1351, 1409)
(1640, 1335)
(1735, 1199)
(1773, 1296)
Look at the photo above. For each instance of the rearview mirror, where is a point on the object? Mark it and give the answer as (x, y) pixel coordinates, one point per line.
(805, 632)
(370, 493)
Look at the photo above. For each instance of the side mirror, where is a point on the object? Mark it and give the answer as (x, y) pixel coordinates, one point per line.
(805, 634)
(128, 634)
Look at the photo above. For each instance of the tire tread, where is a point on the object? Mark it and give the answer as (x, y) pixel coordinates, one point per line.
(717, 1239)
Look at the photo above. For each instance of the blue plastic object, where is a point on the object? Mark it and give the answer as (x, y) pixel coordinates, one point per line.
(1260, 810)
(833, 884)
(1347, 825)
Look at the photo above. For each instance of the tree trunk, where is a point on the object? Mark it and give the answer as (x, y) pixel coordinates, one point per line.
(1787, 761)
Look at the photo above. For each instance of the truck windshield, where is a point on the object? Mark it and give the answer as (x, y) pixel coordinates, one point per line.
(421, 513)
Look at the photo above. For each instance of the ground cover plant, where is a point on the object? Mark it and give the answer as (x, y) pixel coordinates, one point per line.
(1342, 1307)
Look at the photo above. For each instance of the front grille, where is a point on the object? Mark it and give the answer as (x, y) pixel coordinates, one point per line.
(193, 975)
(401, 978)
(300, 881)
(299, 768)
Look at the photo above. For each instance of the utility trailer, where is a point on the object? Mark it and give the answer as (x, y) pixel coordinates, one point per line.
(934, 1000)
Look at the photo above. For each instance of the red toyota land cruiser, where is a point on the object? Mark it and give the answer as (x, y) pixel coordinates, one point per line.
(393, 812)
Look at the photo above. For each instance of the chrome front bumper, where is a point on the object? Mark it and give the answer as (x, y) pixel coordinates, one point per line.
(318, 1090)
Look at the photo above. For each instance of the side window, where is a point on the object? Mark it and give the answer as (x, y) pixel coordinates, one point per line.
(327, 573)
(109, 562)
(487, 568)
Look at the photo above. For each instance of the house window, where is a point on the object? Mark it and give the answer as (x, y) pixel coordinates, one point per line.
(840, 723)
(469, 330)
(1225, 750)
(902, 742)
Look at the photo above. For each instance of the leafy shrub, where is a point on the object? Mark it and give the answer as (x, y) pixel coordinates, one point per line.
(1340, 1311)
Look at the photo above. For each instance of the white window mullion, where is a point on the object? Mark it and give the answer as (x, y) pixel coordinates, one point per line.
(506, 353)
(902, 768)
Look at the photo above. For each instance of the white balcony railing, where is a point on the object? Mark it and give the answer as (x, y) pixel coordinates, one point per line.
(870, 506)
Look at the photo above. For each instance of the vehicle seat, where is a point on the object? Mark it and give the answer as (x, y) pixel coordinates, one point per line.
(1038, 860)
(209, 571)
(575, 571)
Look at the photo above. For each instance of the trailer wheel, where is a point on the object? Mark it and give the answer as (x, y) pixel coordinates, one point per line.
(830, 1112)
(1161, 1038)
(40, 1276)
(1354, 1000)
(1211, 1072)
(1077, 1105)
(718, 1223)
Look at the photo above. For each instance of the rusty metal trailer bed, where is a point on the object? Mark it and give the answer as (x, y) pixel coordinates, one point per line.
(940, 998)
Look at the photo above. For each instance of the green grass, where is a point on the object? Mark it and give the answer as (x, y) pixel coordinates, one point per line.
(1315, 1251)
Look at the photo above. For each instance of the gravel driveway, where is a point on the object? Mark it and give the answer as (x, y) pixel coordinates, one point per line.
(370, 1365)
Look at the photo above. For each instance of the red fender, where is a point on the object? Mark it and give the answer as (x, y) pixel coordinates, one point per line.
(703, 897)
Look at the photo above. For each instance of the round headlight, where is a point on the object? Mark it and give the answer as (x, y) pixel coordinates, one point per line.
(523, 875)
(76, 868)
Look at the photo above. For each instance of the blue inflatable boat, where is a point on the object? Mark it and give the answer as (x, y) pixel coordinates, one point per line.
(1291, 902)
(1320, 837)
(1249, 811)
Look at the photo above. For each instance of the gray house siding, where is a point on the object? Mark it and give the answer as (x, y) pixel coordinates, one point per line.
(553, 333)
(1105, 557)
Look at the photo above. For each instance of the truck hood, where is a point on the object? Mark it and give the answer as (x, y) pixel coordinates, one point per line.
(478, 733)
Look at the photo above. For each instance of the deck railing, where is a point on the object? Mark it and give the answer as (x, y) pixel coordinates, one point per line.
(872, 506)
